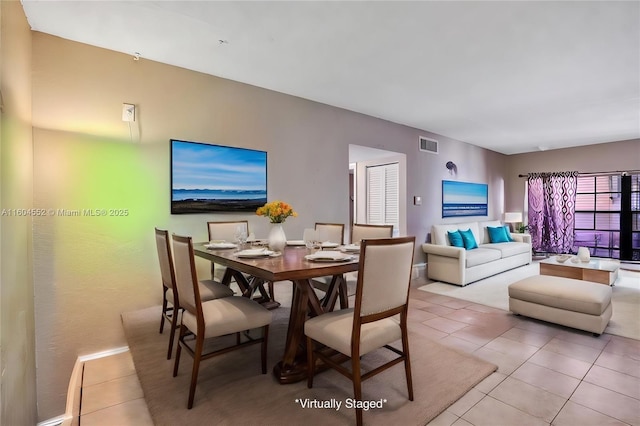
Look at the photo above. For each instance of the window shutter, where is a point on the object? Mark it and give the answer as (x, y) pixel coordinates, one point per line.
(383, 194)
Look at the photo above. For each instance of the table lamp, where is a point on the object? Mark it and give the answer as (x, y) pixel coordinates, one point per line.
(513, 218)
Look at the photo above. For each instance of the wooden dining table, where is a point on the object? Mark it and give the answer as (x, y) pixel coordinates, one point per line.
(289, 265)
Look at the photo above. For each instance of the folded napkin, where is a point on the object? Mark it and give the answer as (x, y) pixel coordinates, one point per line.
(327, 255)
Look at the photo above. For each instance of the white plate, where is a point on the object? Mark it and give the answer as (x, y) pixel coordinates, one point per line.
(351, 248)
(251, 253)
(258, 242)
(329, 256)
(328, 244)
(220, 245)
(295, 243)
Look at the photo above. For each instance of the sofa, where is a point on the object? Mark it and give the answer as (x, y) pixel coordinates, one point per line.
(461, 266)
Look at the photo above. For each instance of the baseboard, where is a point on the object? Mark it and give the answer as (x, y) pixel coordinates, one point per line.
(418, 270)
(52, 422)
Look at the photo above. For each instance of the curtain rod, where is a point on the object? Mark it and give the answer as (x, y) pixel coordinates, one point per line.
(616, 172)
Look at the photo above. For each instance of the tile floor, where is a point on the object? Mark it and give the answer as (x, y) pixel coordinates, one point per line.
(547, 374)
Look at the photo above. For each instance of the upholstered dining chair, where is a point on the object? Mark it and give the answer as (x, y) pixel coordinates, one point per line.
(213, 318)
(227, 231)
(382, 293)
(360, 232)
(331, 232)
(209, 289)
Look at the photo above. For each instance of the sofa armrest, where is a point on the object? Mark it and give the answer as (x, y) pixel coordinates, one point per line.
(447, 251)
(521, 238)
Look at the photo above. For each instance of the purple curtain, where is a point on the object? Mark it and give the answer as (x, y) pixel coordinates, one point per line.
(552, 206)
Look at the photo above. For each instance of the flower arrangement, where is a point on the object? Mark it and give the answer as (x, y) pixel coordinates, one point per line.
(276, 211)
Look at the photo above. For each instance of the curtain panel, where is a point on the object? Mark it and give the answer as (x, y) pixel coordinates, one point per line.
(552, 206)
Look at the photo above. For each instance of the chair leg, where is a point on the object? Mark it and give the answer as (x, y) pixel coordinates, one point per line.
(196, 366)
(176, 364)
(263, 352)
(174, 327)
(407, 361)
(311, 363)
(357, 386)
(164, 309)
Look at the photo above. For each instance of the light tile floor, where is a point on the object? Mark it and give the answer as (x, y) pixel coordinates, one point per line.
(547, 374)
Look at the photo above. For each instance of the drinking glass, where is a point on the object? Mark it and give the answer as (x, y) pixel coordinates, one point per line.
(241, 236)
(310, 237)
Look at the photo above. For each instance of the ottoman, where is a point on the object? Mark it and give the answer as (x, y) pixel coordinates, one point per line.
(574, 303)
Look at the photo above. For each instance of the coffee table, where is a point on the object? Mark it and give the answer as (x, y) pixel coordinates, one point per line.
(603, 271)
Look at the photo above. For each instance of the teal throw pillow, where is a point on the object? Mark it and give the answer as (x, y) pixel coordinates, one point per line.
(455, 238)
(497, 234)
(508, 232)
(468, 239)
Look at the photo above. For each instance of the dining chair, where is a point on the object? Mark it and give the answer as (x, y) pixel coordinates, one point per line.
(360, 232)
(202, 321)
(209, 289)
(331, 232)
(228, 231)
(382, 292)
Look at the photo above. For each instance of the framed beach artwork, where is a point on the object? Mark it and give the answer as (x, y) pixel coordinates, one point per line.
(464, 199)
(208, 178)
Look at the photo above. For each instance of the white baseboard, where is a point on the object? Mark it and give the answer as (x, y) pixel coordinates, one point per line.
(418, 270)
(76, 375)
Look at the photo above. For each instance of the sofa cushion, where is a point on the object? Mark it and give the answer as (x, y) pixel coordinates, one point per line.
(468, 239)
(497, 234)
(483, 234)
(481, 256)
(508, 249)
(455, 238)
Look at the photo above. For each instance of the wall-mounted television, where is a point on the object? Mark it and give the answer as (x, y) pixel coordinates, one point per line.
(208, 178)
(464, 199)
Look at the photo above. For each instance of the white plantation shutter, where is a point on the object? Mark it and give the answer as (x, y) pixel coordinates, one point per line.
(383, 195)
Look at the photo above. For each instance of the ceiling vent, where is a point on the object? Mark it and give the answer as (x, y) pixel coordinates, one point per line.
(428, 145)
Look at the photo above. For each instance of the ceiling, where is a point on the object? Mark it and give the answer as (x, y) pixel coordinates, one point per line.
(511, 77)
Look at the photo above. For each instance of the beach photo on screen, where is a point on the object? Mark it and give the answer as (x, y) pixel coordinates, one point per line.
(214, 178)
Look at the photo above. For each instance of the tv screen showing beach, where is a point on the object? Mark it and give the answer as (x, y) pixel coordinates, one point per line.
(213, 178)
(464, 199)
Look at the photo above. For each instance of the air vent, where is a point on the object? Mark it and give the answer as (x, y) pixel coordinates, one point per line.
(428, 145)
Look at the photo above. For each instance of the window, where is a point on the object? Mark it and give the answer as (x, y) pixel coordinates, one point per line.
(599, 212)
(383, 195)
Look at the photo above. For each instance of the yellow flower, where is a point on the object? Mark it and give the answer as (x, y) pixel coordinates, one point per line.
(276, 211)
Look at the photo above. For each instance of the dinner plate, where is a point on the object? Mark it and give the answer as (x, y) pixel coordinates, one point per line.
(220, 245)
(328, 244)
(258, 242)
(295, 243)
(351, 248)
(329, 256)
(253, 253)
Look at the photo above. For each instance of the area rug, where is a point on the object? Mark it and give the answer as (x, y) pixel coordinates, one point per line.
(231, 390)
(493, 291)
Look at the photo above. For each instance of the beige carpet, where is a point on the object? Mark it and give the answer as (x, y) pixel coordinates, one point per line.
(493, 291)
(231, 390)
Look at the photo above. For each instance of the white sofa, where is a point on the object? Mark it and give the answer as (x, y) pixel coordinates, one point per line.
(456, 265)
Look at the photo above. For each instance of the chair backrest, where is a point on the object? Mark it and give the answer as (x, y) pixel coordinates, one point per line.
(164, 257)
(360, 232)
(332, 232)
(186, 278)
(384, 276)
(226, 230)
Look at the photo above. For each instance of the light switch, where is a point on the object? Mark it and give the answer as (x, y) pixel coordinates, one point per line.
(128, 112)
(417, 201)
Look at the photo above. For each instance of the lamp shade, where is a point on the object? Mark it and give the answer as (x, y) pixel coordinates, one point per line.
(513, 217)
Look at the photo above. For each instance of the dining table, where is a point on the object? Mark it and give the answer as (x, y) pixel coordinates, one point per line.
(291, 264)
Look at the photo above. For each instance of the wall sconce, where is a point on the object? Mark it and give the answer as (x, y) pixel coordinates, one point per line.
(451, 166)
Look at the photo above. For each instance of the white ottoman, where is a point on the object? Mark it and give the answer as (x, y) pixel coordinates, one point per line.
(574, 303)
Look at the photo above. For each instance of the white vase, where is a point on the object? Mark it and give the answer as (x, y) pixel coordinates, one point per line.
(277, 238)
(583, 254)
